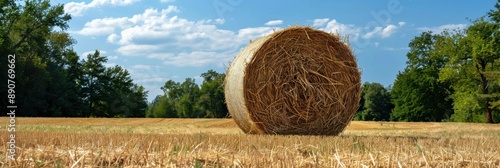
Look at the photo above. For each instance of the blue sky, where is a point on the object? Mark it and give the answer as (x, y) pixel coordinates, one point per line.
(158, 40)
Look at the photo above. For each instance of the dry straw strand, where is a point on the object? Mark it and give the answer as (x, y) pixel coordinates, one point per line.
(295, 81)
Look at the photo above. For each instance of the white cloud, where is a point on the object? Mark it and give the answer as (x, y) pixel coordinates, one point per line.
(113, 38)
(335, 27)
(372, 33)
(104, 26)
(320, 22)
(96, 31)
(162, 35)
(137, 50)
(197, 58)
(439, 29)
(219, 21)
(388, 31)
(140, 66)
(170, 9)
(176, 41)
(274, 23)
(354, 31)
(160, 56)
(77, 8)
(255, 32)
(112, 57)
(383, 32)
(167, 1)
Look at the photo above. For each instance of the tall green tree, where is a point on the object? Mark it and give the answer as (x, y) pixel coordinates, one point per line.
(377, 103)
(172, 90)
(93, 90)
(188, 100)
(474, 56)
(212, 101)
(474, 67)
(123, 97)
(167, 105)
(62, 88)
(26, 30)
(50, 78)
(417, 94)
(151, 105)
(186, 106)
(110, 92)
(164, 108)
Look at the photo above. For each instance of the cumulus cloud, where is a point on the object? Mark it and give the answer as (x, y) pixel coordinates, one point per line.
(439, 29)
(375, 31)
(196, 58)
(274, 23)
(355, 31)
(150, 77)
(334, 26)
(112, 57)
(219, 21)
(167, 1)
(388, 31)
(383, 32)
(255, 32)
(113, 38)
(160, 34)
(137, 49)
(77, 8)
(103, 26)
(141, 66)
(320, 22)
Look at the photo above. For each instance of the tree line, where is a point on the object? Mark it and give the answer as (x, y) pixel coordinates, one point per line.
(188, 100)
(452, 75)
(50, 78)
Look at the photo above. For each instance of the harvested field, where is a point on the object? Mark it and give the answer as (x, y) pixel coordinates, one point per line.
(95, 142)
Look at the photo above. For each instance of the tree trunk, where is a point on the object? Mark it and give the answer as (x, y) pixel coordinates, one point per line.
(489, 118)
(484, 88)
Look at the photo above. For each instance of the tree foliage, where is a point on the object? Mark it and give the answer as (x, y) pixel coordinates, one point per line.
(212, 101)
(473, 67)
(188, 100)
(51, 80)
(418, 95)
(456, 70)
(376, 101)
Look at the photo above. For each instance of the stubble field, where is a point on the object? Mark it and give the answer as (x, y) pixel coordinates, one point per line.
(98, 142)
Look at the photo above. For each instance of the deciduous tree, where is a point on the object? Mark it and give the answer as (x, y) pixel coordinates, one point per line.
(417, 94)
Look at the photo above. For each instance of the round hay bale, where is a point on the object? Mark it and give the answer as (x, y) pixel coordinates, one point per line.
(295, 81)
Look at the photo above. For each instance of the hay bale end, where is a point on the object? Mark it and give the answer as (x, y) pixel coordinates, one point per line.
(298, 80)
